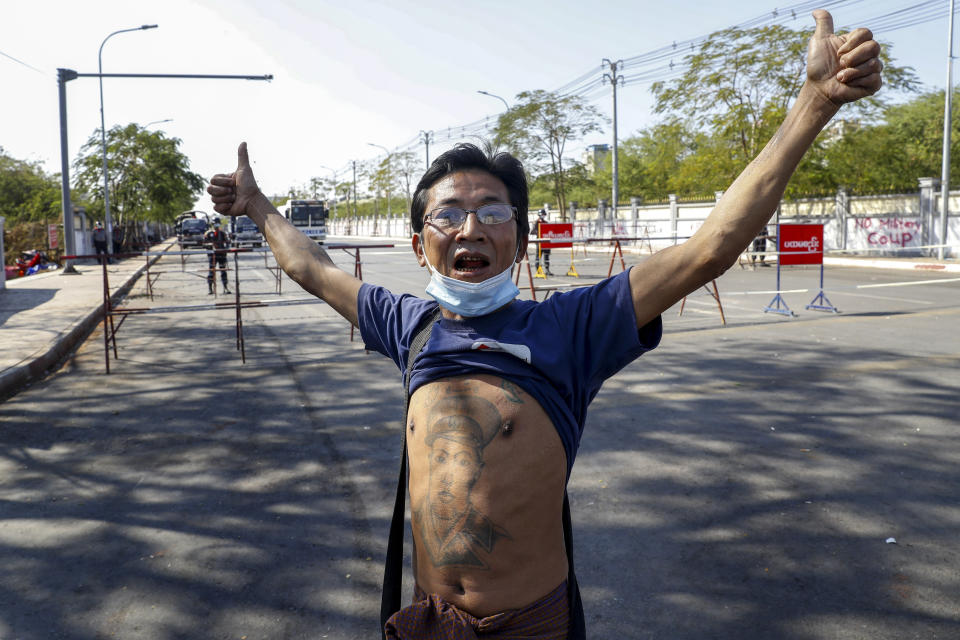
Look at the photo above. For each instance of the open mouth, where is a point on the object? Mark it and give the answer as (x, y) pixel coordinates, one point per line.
(470, 263)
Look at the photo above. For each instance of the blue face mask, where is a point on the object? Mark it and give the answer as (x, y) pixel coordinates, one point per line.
(471, 299)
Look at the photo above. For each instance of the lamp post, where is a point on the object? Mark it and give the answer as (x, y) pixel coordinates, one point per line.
(947, 128)
(496, 140)
(157, 122)
(103, 136)
(493, 95)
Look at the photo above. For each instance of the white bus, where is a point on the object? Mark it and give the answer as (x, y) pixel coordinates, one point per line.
(310, 216)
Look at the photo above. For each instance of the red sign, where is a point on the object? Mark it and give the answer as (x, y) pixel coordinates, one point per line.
(52, 237)
(560, 235)
(801, 244)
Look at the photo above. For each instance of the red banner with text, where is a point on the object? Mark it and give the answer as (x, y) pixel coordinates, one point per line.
(559, 234)
(801, 244)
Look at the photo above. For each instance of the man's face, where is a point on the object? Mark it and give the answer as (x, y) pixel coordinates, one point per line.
(454, 469)
(476, 251)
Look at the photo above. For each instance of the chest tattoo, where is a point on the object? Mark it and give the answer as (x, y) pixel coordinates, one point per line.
(459, 425)
(511, 392)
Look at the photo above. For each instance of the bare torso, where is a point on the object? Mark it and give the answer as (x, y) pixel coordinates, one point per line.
(487, 473)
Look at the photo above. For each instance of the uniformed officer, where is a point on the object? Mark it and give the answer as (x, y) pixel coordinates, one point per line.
(217, 241)
(100, 240)
(541, 251)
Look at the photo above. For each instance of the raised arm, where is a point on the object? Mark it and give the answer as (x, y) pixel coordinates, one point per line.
(840, 69)
(237, 194)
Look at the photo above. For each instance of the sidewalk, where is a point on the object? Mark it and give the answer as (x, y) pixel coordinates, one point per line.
(44, 317)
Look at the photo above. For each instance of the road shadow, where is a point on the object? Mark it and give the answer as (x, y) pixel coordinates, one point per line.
(733, 484)
(744, 492)
(14, 301)
(159, 502)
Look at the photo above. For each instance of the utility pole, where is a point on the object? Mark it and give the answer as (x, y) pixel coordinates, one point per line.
(945, 171)
(63, 77)
(613, 79)
(425, 137)
(69, 238)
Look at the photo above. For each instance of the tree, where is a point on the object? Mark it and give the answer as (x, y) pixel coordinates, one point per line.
(907, 145)
(150, 178)
(316, 186)
(738, 86)
(382, 179)
(539, 126)
(29, 197)
(407, 168)
(26, 191)
(651, 161)
(302, 192)
(918, 128)
(341, 192)
(582, 187)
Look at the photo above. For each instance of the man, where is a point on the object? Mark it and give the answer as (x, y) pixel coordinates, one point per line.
(100, 240)
(117, 240)
(541, 250)
(759, 247)
(497, 405)
(217, 241)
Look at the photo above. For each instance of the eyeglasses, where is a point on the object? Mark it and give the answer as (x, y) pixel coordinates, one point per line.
(454, 217)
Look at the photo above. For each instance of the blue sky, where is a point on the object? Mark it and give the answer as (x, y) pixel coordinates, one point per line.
(350, 72)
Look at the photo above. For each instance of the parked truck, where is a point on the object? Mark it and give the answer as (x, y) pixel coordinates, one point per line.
(310, 216)
(244, 233)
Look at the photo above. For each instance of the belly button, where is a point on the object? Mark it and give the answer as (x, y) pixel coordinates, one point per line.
(507, 428)
(459, 590)
(411, 425)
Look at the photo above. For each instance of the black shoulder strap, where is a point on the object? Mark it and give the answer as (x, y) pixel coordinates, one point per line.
(578, 625)
(393, 569)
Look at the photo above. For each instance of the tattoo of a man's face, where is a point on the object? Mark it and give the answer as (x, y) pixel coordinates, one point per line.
(459, 426)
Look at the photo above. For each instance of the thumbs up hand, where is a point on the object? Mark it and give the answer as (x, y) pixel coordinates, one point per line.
(842, 68)
(231, 192)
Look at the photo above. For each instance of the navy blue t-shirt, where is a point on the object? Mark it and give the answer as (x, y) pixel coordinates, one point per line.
(559, 351)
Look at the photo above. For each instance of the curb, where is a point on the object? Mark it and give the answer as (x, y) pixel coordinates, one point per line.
(908, 264)
(18, 377)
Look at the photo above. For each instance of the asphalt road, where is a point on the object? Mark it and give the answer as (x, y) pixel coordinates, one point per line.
(738, 482)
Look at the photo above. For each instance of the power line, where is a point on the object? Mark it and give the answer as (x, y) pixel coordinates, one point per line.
(910, 16)
(28, 66)
(662, 64)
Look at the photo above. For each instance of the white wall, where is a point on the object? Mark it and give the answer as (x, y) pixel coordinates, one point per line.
(879, 225)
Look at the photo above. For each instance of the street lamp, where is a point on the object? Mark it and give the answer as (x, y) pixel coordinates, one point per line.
(493, 95)
(157, 122)
(103, 136)
(380, 146)
(387, 151)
